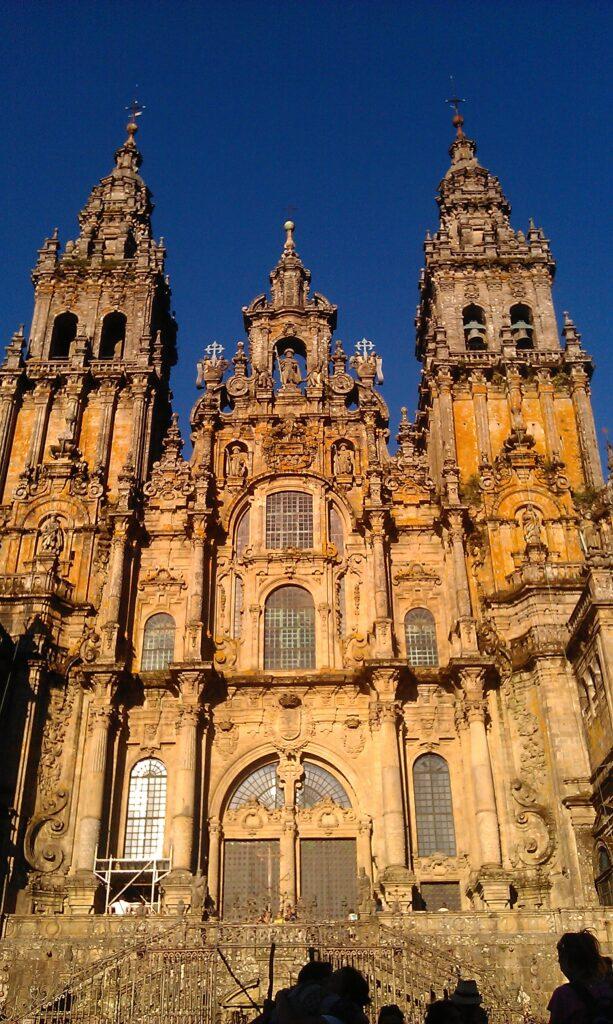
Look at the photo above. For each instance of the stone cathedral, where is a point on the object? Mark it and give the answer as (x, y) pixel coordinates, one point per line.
(300, 678)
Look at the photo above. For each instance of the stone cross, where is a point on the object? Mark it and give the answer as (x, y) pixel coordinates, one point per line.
(364, 348)
(213, 351)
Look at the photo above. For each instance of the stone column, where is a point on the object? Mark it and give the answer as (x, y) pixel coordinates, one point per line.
(493, 884)
(114, 588)
(91, 800)
(445, 399)
(585, 428)
(479, 392)
(546, 395)
(139, 394)
(456, 537)
(7, 420)
(383, 623)
(214, 861)
(183, 789)
(287, 855)
(107, 399)
(196, 593)
(42, 403)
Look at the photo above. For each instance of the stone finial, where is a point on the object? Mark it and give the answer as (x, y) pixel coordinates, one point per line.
(289, 228)
(570, 333)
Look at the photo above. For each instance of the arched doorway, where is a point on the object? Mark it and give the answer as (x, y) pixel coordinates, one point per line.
(292, 844)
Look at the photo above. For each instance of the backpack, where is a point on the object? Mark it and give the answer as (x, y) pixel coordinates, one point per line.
(599, 1008)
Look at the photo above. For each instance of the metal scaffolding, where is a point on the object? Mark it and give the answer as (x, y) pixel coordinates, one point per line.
(119, 875)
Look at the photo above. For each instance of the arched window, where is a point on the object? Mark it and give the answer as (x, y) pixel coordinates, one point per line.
(342, 606)
(420, 637)
(604, 878)
(522, 327)
(113, 336)
(262, 785)
(317, 785)
(242, 534)
(158, 643)
(289, 629)
(289, 520)
(63, 334)
(473, 319)
(336, 532)
(433, 809)
(239, 597)
(146, 810)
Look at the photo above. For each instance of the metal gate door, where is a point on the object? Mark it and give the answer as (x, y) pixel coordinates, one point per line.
(251, 878)
(328, 871)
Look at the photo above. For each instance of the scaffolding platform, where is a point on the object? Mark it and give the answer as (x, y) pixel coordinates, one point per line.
(132, 885)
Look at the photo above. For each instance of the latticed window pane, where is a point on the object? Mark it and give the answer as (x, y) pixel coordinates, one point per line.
(289, 629)
(433, 808)
(440, 895)
(242, 534)
(318, 784)
(420, 636)
(238, 607)
(262, 785)
(146, 810)
(158, 642)
(337, 535)
(289, 520)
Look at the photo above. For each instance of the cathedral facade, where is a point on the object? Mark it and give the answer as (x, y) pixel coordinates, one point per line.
(297, 676)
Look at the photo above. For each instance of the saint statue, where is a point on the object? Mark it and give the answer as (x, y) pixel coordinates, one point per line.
(237, 462)
(289, 369)
(51, 540)
(531, 526)
(343, 461)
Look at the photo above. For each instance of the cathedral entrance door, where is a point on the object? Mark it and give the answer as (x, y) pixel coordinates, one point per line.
(251, 878)
(328, 871)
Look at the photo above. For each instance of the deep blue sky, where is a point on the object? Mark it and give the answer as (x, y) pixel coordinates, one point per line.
(335, 109)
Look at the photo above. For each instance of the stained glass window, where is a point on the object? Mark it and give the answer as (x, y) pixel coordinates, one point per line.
(317, 785)
(262, 785)
(420, 636)
(289, 520)
(433, 808)
(146, 810)
(289, 629)
(158, 643)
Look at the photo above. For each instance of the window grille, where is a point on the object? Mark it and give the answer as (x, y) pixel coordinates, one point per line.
(420, 636)
(318, 784)
(238, 607)
(433, 808)
(262, 785)
(440, 896)
(158, 643)
(289, 629)
(337, 536)
(289, 520)
(146, 810)
(242, 534)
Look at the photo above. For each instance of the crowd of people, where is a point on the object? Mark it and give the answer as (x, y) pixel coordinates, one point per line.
(322, 995)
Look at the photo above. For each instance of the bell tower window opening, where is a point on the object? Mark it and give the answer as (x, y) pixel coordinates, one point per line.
(289, 520)
(420, 637)
(433, 807)
(158, 643)
(113, 336)
(63, 334)
(289, 629)
(522, 327)
(473, 320)
(146, 810)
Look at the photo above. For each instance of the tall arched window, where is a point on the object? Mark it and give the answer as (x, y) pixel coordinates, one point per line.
(242, 534)
(420, 637)
(112, 336)
(289, 520)
(522, 327)
(63, 334)
(433, 808)
(336, 532)
(473, 320)
(146, 810)
(289, 629)
(158, 643)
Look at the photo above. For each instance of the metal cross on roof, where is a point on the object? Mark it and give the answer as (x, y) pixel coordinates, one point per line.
(135, 109)
(213, 351)
(364, 348)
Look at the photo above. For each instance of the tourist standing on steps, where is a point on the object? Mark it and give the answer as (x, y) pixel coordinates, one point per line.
(587, 998)
(391, 1014)
(347, 995)
(467, 1000)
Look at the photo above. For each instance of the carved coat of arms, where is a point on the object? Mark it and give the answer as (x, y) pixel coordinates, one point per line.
(289, 445)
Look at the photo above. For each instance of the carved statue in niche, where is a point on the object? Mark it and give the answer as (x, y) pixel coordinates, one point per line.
(51, 537)
(315, 377)
(263, 378)
(237, 462)
(532, 530)
(343, 460)
(289, 370)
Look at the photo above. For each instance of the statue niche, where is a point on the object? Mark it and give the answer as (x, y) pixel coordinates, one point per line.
(290, 360)
(237, 464)
(343, 462)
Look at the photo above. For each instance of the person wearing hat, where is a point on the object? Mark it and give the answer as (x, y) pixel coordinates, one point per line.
(443, 1011)
(467, 999)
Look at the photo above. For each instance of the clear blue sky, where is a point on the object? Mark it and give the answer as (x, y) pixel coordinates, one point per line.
(335, 109)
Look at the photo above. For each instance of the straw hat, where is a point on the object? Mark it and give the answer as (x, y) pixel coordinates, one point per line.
(466, 993)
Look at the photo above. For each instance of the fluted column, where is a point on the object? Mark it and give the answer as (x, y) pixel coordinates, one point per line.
(214, 860)
(91, 803)
(114, 586)
(107, 398)
(546, 395)
(183, 789)
(196, 593)
(486, 814)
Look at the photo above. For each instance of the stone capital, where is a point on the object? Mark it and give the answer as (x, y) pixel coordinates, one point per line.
(384, 682)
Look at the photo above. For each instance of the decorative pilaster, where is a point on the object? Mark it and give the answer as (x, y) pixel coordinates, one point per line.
(114, 589)
(8, 403)
(43, 392)
(214, 861)
(383, 625)
(585, 428)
